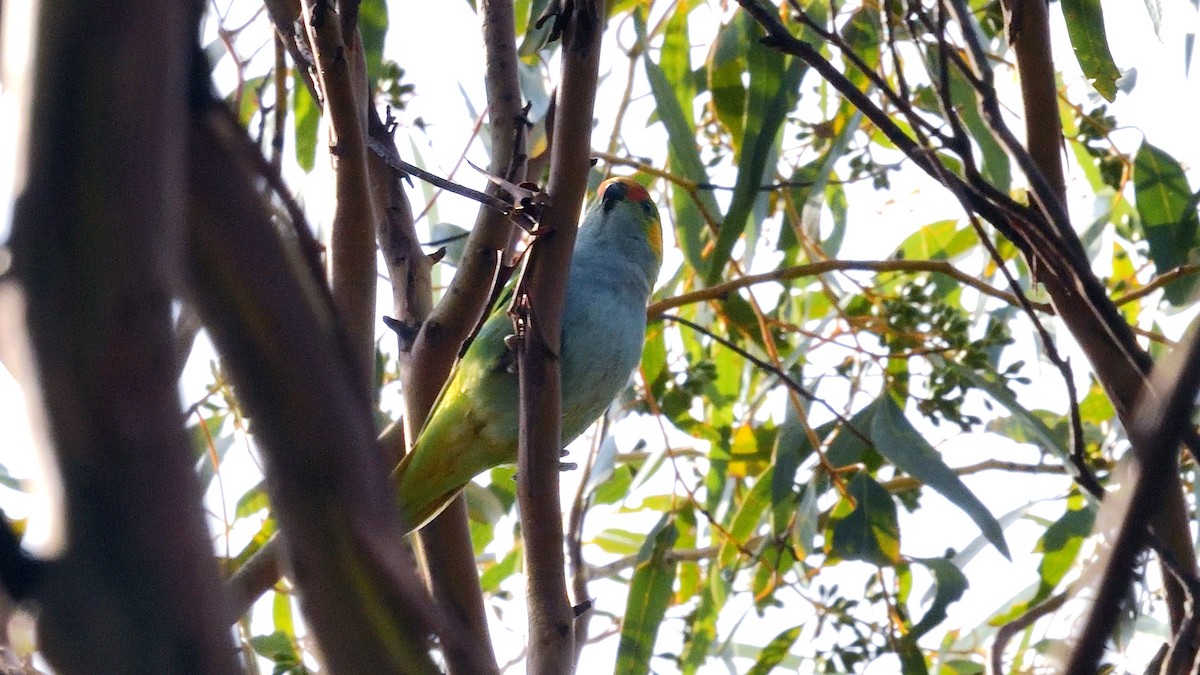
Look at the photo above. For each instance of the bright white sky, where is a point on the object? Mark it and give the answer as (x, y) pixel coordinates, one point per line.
(1161, 108)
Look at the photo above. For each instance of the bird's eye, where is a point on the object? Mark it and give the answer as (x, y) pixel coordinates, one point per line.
(648, 207)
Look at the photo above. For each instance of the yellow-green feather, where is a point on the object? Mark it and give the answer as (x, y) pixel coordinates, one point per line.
(473, 425)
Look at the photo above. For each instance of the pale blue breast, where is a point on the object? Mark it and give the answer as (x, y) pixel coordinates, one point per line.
(604, 327)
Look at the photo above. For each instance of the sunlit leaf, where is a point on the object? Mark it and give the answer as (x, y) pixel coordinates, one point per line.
(621, 542)
(702, 628)
(307, 116)
(897, 440)
(775, 651)
(684, 157)
(373, 27)
(746, 521)
(935, 241)
(726, 64)
(1085, 27)
(649, 595)
(774, 80)
(253, 501)
(1167, 211)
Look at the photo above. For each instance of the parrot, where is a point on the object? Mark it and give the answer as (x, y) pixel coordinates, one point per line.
(473, 424)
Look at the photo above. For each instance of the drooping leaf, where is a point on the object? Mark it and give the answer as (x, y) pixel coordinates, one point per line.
(649, 596)
(702, 628)
(307, 116)
(775, 651)
(1167, 212)
(863, 525)
(373, 27)
(950, 583)
(683, 157)
(774, 83)
(1085, 27)
(726, 64)
(897, 440)
(754, 505)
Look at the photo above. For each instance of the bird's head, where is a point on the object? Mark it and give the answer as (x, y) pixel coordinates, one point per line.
(625, 208)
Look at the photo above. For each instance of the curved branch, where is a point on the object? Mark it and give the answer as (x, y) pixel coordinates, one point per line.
(1157, 283)
(1006, 632)
(720, 291)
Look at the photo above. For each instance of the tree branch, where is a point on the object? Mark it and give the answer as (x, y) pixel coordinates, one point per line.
(352, 236)
(96, 247)
(720, 291)
(1158, 429)
(448, 557)
(538, 312)
(312, 421)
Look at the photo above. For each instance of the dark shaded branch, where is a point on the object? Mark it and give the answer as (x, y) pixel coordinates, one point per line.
(1159, 427)
(255, 577)
(96, 245)
(285, 16)
(311, 416)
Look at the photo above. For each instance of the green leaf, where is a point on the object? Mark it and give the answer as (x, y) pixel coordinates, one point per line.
(1059, 545)
(749, 515)
(281, 614)
(897, 440)
(649, 595)
(935, 241)
(996, 167)
(848, 447)
(373, 26)
(253, 501)
(675, 56)
(492, 576)
(620, 542)
(683, 156)
(804, 532)
(862, 33)
(791, 447)
(277, 647)
(209, 444)
(775, 651)
(615, 488)
(1085, 26)
(702, 629)
(1167, 211)
(1034, 428)
(950, 583)
(726, 64)
(307, 116)
(863, 526)
(774, 88)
